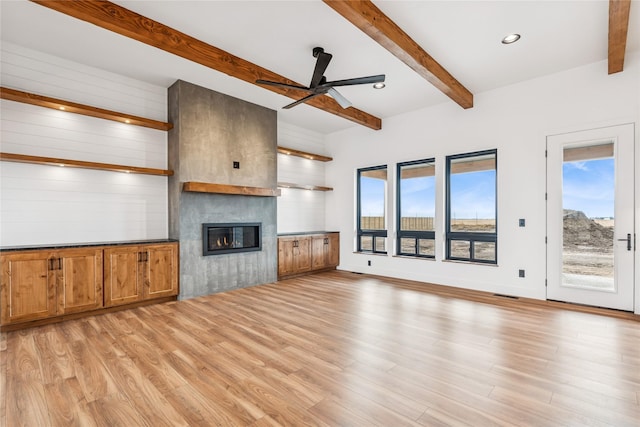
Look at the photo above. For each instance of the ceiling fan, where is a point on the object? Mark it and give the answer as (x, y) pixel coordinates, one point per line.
(319, 84)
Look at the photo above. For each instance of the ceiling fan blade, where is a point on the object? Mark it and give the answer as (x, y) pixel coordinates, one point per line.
(357, 81)
(344, 102)
(321, 66)
(285, 85)
(300, 101)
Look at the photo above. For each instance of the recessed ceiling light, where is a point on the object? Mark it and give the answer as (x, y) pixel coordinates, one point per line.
(511, 38)
(62, 108)
(379, 85)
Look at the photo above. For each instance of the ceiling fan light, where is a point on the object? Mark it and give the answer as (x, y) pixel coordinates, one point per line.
(511, 38)
(379, 85)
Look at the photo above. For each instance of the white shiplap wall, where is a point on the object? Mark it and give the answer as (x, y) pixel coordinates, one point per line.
(300, 210)
(50, 204)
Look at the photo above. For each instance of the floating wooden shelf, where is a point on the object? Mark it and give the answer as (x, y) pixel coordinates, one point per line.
(304, 154)
(304, 187)
(205, 187)
(72, 107)
(21, 158)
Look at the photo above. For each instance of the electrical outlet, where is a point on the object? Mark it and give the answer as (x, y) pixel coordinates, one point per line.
(521, 222)
(520, 273)
(236, 165)
(369, 262)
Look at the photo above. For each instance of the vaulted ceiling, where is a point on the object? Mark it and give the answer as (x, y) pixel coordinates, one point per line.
(463, 38)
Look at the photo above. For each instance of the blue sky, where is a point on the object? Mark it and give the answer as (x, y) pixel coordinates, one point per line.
(372, 196)
(589, 187)
(473, 195)
(418, 197)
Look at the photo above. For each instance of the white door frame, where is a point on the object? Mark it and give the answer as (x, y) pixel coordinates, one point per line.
(630, 301)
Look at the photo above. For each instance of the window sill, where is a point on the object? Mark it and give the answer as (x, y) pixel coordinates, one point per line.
(371, 253)
(457, 261)
(414, 257)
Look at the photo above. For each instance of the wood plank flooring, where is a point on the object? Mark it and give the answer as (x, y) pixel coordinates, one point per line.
(332, 349)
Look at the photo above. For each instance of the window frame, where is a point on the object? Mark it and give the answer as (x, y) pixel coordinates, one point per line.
(469, 236)
(417, 234)
(374, 234)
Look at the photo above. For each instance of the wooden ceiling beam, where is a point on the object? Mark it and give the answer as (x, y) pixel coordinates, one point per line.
(372, 21)
(618, 27)
(125, 22)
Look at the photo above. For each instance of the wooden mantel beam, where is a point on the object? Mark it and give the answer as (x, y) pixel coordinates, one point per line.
(372, 21)
(133, 25)
(618, 27)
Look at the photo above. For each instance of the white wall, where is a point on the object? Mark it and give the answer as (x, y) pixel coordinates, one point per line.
(300, 210)
(513, 119)
(49, 204)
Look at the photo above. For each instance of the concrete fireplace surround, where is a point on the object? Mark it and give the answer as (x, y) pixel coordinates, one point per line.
(210, 132)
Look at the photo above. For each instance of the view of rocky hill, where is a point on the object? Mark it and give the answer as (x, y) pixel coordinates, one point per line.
(578, 230)
(587, 245)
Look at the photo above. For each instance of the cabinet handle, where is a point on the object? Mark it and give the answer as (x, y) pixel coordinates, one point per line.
(55, 264)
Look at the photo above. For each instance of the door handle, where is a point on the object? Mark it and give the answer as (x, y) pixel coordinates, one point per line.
(628, 240)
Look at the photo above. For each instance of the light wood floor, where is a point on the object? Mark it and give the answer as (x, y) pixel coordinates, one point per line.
(334, 349)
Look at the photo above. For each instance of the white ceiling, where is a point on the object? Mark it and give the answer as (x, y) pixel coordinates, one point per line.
(463, 36)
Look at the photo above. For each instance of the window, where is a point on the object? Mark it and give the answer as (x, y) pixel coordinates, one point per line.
(471, 222)
(416, 208)
(372, 201)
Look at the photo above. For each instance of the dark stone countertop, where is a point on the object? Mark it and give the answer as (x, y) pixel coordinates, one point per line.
(305, 233)
(83, 245)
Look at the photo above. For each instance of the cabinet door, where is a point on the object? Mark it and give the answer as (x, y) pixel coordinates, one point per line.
(123, 275)
(285, 255)
(318, 252)
(27, 290)
(79, 280)
(160, 270)
(333, 250)
(302, 255)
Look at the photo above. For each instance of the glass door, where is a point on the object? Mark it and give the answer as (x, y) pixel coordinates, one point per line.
(590, 217)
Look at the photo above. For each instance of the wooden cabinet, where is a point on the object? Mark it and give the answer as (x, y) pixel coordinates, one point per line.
(307, 253)
(79, 280)
(28, 289)
(136, 273)
(122, 275)
(160, 271)
(294, 255)
(333, 248)
(41, 284)
(37, 286)
(325, 251)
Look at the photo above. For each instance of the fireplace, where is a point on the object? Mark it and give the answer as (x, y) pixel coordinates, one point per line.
(220, 239)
